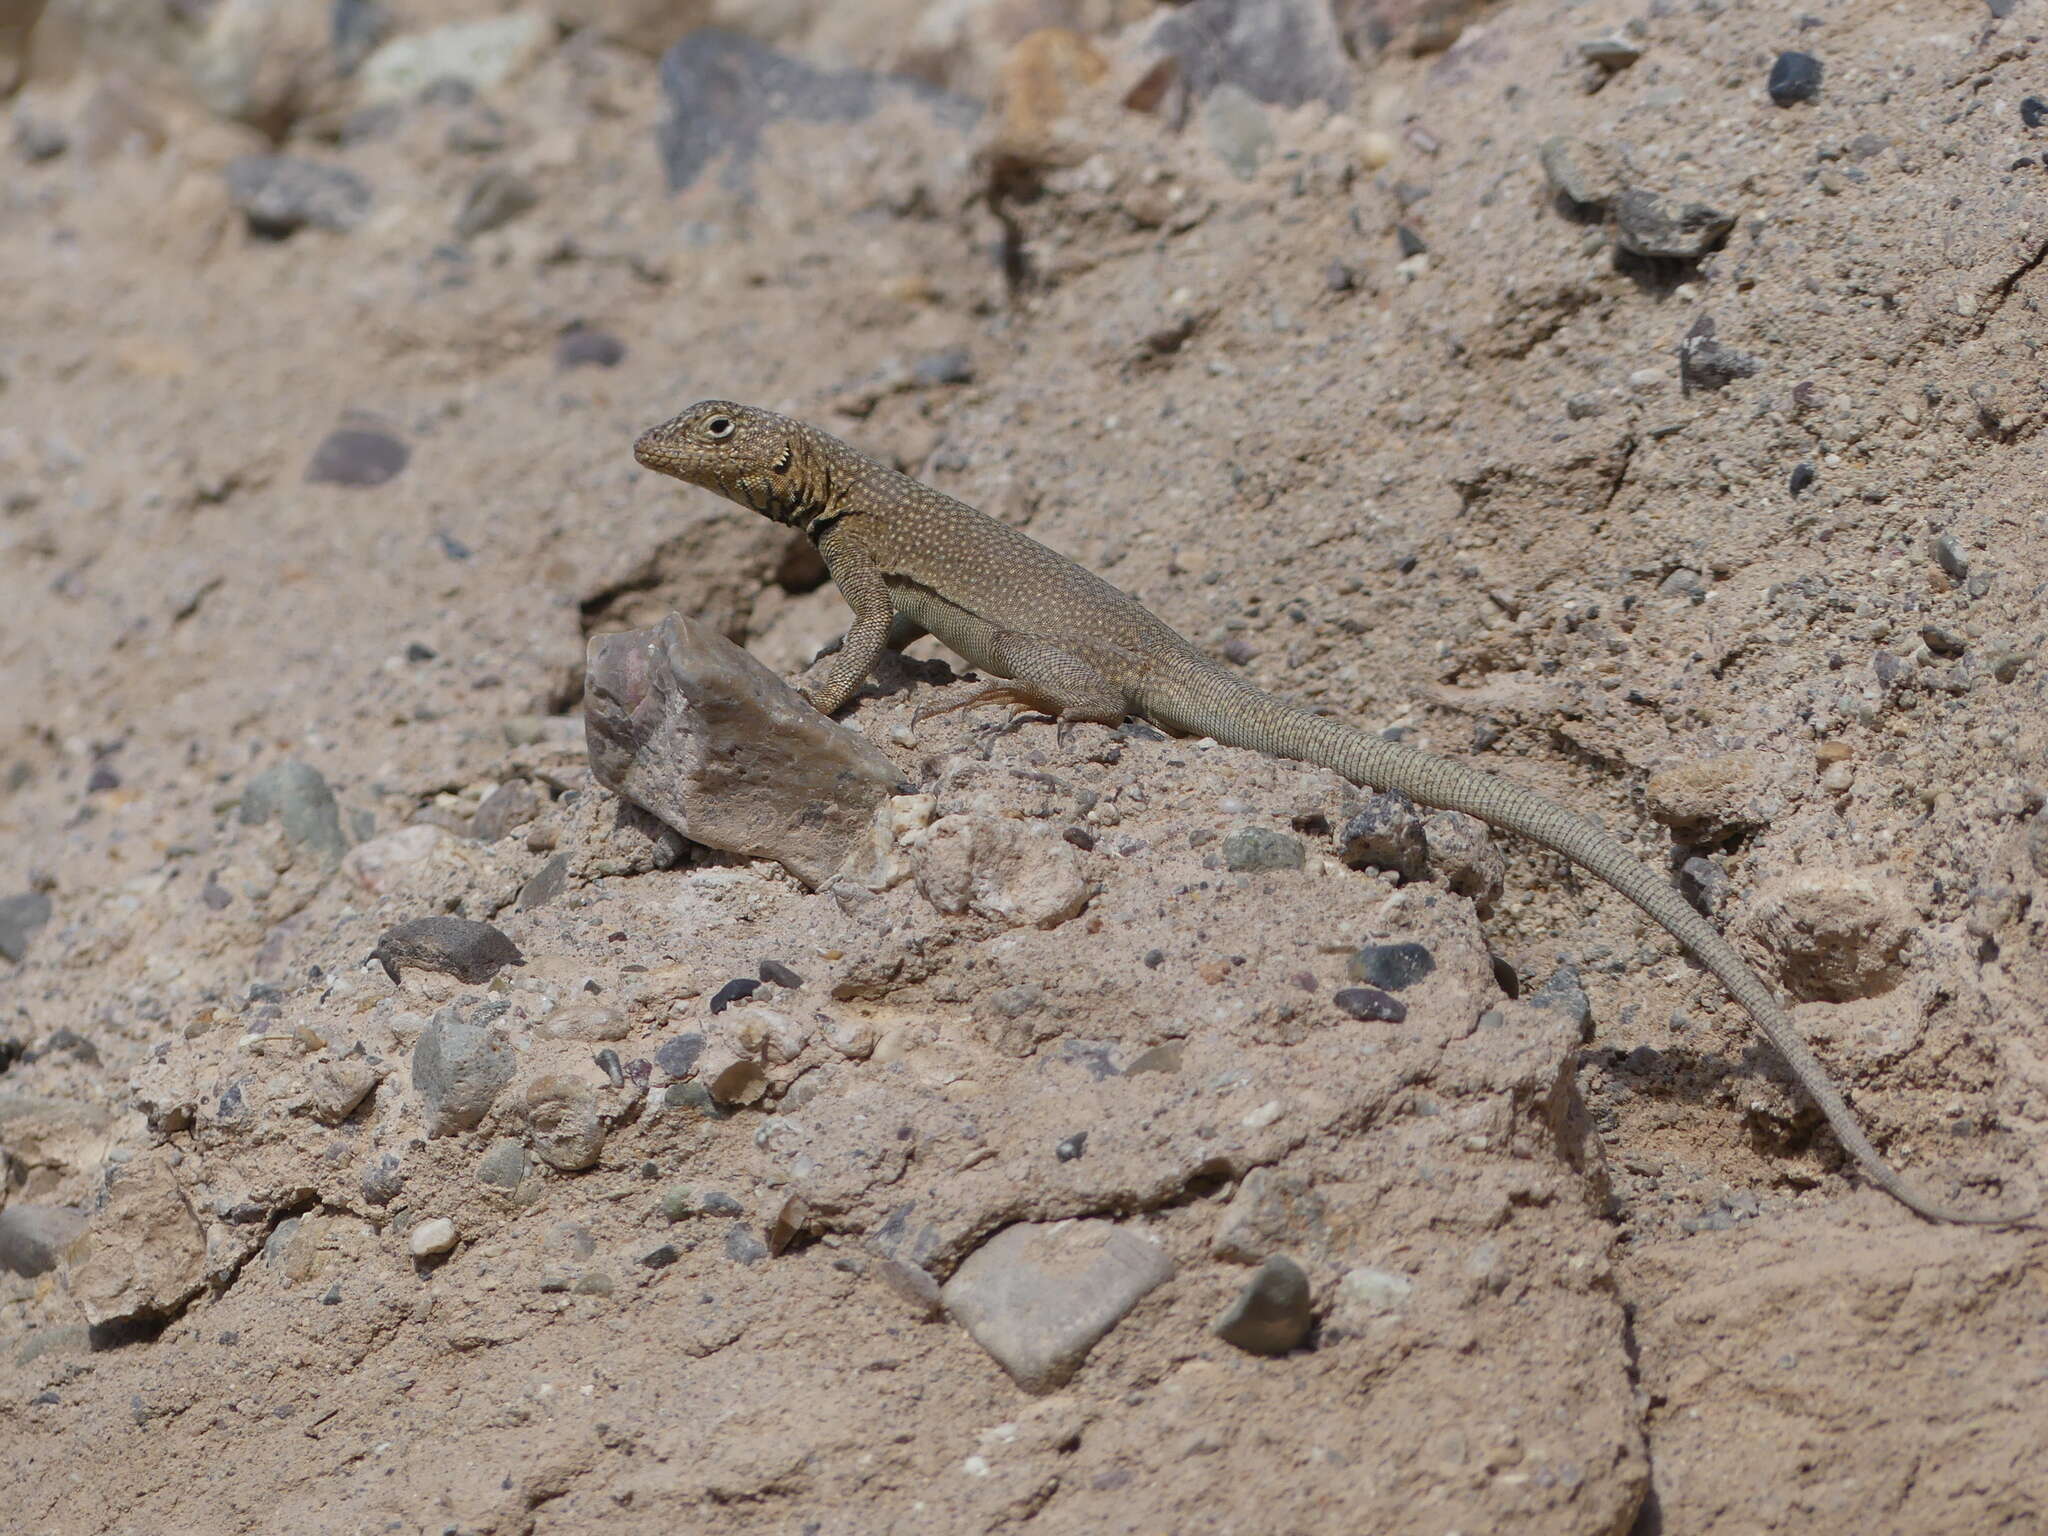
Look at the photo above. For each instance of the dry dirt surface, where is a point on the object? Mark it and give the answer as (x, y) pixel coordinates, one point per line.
(1642, 401)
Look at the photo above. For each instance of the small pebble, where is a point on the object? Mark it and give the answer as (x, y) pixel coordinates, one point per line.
(2034, 111)
(357, 456)
(677, 1055)
(1253, 849)
(1273, 1312)
(1802, 476)
(582, 347)
(732, 992)
(662, 1257)
(743, 1247)
(1072, 1147)
(281, 194)
(431, 1237)
(1371, 1004)
(1948, 554)
(781, 975)
(1795, 77)
(493, 200)
(1392, 966)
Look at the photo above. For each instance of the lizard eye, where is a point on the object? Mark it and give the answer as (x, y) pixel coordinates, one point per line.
(720, 427)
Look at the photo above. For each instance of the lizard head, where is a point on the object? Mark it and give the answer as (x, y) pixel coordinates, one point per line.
(745, 455)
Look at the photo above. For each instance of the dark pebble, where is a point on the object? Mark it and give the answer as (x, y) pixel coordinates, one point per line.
(1237, 652)
(1272, 1314)
(1385, 833)
(101, 779)
(1072, 1147)
(548, 883)
(454, 946)
(1338, 278)
(1794, 77)
(511, 804)
(732, 992)
(1371, 1004)
(1154, 958)
(281, 194)
(357, 456)
(1409, 242)
(662, 1257)
(1392, 966)
(743, 1247)
(2034, 111)
(952, 365)
(72, 1044)
(493, 200)
(778, 973)
(382, 1180)
(1562, 993)
(1889, 668)
(1803, 475)
(1081, 838)
(20, 917)
(39, 138)
(581, 347)
(717, 1203)
(333, 1296)
(677, 1055)
(1943, 641)
(416, 652)
(451, 546)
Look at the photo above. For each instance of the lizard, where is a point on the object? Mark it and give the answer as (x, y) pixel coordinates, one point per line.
(910, 560)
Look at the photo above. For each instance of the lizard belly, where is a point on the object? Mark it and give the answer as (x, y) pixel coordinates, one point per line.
(967, 634)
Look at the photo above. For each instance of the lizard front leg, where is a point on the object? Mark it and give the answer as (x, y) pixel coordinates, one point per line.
(860, 582)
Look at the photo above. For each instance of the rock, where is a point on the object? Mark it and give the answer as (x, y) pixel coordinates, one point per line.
(436, 1235)
(1703, 363)
(1013, 872)
(1611, 53)
(511, 804)
(1802, 476)
(1794, 77)
(299, 799)
(482, 55)
(1286, 52)
(460, 1066)
(1038, 1297)
(593, 1022)
(1585, 176)
(1165, 1057)
(1254, 849)
(582, 347)
(723, 90)
(743, 1247)
(910, 1284)
(1271, 1210)
(280, 195)
(37, 138)
(686, 725)
(1391, 966)
(1463, 856)
(357, 456)
(20, 917)
(1273, 1312)
(1237, 129)
(548, 882)
(494, 199)
(33, 1237)
(778, 974)
(266, 63)
(677, 1055)
(1712, 798)
(469, 951)
(1948, 554)
(381, 1180)
(1837, 936)
(1563, 993)
(739, 988)
(1651, 224)
(731, 1078)
(564, 1122)
(1373, 1292)
(1385, 832)
(1370, 1004)
(142, 1255)
(336, 1088)
(504, 1165)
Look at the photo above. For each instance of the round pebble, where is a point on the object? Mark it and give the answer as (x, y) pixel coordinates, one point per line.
(1391, 966)
(1795, 77)
(431, 1237)
(1371, 1004)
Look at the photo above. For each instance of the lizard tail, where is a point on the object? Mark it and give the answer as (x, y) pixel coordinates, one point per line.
(1281, 729)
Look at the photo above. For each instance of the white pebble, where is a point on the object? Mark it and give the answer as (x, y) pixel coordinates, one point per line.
(431, 1237)
(1263, 1116)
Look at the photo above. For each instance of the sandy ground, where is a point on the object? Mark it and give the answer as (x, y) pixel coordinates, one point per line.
(1740, 551)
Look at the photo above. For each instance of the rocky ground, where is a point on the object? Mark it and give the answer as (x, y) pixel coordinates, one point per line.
(1087, 1131)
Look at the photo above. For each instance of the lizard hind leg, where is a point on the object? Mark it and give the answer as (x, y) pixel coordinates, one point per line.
(1042, 677)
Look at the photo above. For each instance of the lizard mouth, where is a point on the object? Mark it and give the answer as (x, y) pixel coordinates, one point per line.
(652, 452)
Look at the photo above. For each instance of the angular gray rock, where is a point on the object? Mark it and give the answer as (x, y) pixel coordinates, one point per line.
(723, 89)
(692, 729)
(282, 194)
(33, 1237)
(20, 917)
(298, 797)
(1281, 51)
(1651, 224)
(1038, 1297)
(1272, 1314)
(460, 1066)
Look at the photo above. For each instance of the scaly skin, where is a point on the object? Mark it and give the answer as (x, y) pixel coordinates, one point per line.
(908, 558)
